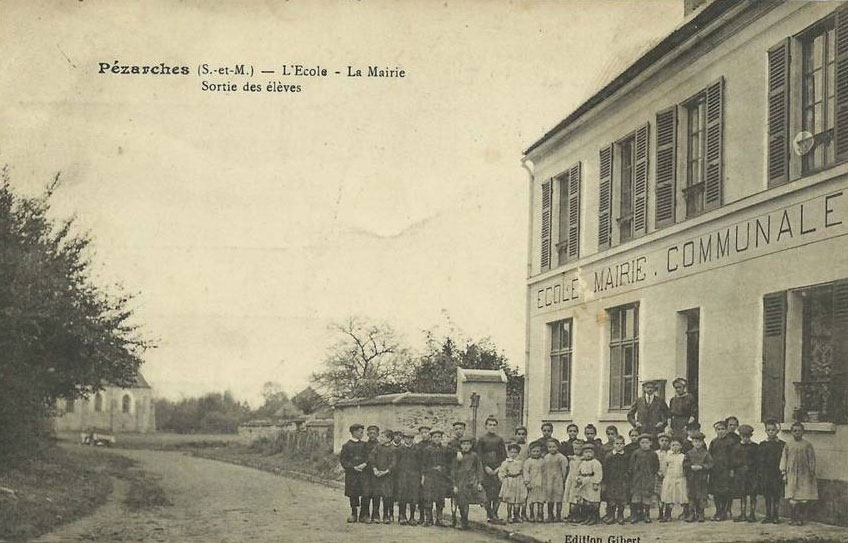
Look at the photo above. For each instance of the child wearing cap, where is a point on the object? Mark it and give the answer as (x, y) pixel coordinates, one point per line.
(370, 507)
(435, 471)
(533, 481)
(407, 479)
(644, 466)
(423, 443)
(697, 466)
(721, 475)
(769, 479)
(513, 492)
(394, 446)
(744, 461)
(354, 460)
(616, 482)
(467, 474)
(588, 484)
(554, 473)
(381, 461)
(798, 466)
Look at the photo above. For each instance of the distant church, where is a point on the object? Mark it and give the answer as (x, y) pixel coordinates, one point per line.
(112, 409)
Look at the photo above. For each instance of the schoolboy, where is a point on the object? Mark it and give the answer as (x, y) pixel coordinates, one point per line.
(492, 451)
(692, 429)
(745, 474)
(616, 482)
(382, 460)
(769, 477)
(644, 466)
(606, 448)
(407, 479)
(394, 446)
(354, 460)
(435, 471)
(697, 466)
(453, 444)
(721, 475)
(421, 446)
(733, 428)
(467, 474)
(370, 508)
(634, 442)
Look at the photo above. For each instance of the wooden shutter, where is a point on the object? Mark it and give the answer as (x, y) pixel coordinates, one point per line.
(774, 355)
(841, 121)
(546, 225)
(714, 147)
(778, 114)
(640, 183)
(605, 198)
(838, 400)
(574, 212)
(666, 189)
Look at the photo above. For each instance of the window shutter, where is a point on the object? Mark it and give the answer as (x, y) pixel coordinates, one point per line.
(605, 198)
(615, 378)
(546, 225)
(666, 166)
(574, 212)
(838, 398)
(714, 148)
(778, 114)
(841, 124)
(774, 349)
(640, 183)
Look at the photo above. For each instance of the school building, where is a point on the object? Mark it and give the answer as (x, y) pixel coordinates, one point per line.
(689, 220)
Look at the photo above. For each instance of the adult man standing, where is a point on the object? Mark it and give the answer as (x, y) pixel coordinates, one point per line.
(649, 414)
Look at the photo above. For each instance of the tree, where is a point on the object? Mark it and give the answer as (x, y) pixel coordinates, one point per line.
(367, 359)
(308, 401)
(213, 413)
(61, 335)
(274, 398)
(435, 370)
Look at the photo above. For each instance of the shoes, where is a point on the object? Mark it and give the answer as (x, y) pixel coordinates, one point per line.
(403, 522)
(740, 518)
(497, 521)
(752, 518)
(351, 519)
(621, 521)
(766, 520)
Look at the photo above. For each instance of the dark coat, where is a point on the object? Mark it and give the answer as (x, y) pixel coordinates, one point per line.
(744, 462)
(697, 482)
(567, 446)
(680, 408)
(643, 469)
(492, 452)
(435, 471)
(368, 474)
(721, 480)
(407, 475)
(382, 457)
(646, 417)
(616, 478)
(353, 454)
(467, 473)
(770, 481)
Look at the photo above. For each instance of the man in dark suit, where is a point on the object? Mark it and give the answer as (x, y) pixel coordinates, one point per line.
(649, 413)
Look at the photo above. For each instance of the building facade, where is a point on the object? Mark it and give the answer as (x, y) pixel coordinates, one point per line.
(112, 409)
(689, 221)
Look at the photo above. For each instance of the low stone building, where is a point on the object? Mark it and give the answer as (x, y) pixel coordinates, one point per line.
(409, 410)
(113, 409)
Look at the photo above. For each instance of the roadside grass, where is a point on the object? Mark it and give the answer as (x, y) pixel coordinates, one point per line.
(64, 484)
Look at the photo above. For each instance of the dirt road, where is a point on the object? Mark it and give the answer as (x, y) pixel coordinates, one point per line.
(218, 502)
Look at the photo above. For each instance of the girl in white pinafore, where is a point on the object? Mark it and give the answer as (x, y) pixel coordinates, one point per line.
(674, 490)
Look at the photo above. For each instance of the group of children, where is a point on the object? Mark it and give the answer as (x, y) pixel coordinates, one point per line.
(534, 480)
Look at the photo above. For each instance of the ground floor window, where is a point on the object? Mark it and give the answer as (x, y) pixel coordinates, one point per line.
(561, 357)
(624, 356)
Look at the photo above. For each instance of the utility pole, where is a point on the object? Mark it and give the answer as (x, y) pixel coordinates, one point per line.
(475, 403)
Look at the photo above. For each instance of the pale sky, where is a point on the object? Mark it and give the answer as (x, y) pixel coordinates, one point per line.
(247, 222)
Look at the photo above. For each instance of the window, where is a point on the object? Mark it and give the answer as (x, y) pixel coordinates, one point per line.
(126, 403)
(98, 402)
(807, 101)
(696, 142)
(69, 405)
(693, 340)
(568, 187)
(624, 356)
(818, 364)
(625, 183)
(818, 94)
(561, 365)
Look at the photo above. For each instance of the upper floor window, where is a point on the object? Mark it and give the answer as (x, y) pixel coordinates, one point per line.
(561, 365)
(818, 91)
(561, 198)
(623, 188)
(696, 143)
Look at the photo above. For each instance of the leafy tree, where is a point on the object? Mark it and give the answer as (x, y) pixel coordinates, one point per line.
(61, 335)
(213, 413)
(367, 359)
(274, 398)
(308, 401)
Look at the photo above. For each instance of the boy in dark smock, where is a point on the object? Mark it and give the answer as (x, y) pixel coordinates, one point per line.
(407, 479)
(370, 510)
(697, 466)
(721, 476)
(492, 451)
(616, 482)
(436, 485)
(644, 466)
(467, 474)
(744, 461)
(769, 479)
(424, 443)
(382, 462)
(354, 460)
